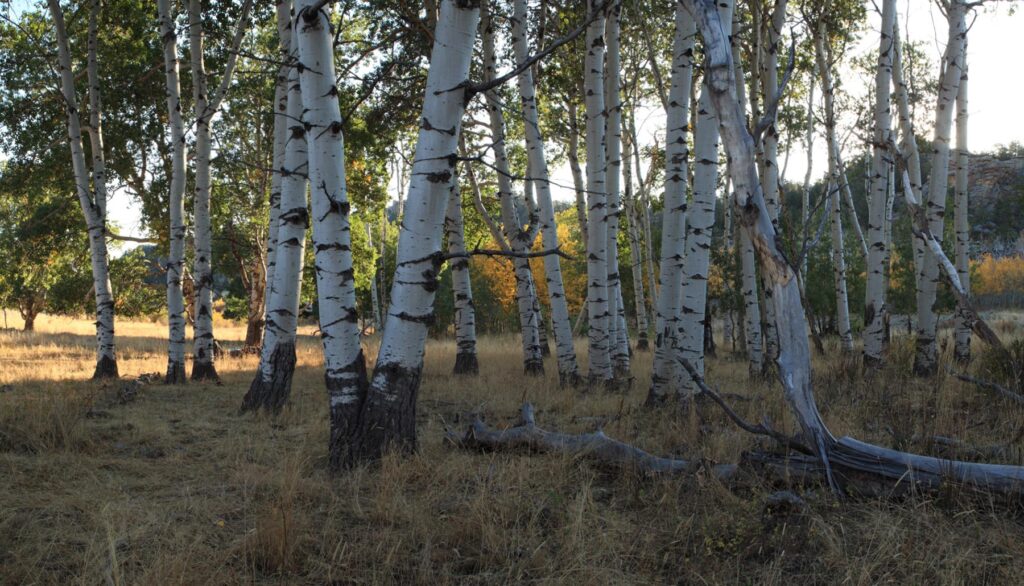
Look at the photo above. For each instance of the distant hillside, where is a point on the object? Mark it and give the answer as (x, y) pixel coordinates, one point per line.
(997, 204)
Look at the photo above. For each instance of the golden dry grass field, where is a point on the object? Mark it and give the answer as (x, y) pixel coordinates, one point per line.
(176, 488)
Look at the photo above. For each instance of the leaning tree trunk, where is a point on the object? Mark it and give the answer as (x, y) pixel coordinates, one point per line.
(599, 304)
(92, 209)
(908, 141)
(962, 345)
(205, 106)
(699, 222)
(176, 204)
(518, 242)
(568, 371)
(875, 308)
(387, 415)
(835, 186)
(618, 335)
(272, 384)
(665, 371)
(465, 314)
(926, 355)
(345, 368)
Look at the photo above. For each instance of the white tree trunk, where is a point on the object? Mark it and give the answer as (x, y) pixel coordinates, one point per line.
(517, 239)
(599, 303)
(635, 245)
(770, 85)
(908, 140)
(465, 315)
(374, 292)
(700, 220)
(961, 219)
(875, 307)
(271, 386)
(837, 183)
(106, 359)
(205, 106)
(665, 371)
(926, 355)
(345, 368)
(176, 202)
(753, 339)
(387, 417)
(568, 371)
(618, 334)
(805, 193)
(281, 124)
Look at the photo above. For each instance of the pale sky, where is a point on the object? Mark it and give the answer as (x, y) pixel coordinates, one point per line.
(995, 46)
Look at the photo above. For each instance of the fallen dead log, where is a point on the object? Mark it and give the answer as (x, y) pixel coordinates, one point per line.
(595, 446)
(991, 386)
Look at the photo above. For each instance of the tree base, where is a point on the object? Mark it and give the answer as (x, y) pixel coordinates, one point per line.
(272, 393)
(533, 367)
(204, 371)
(106, 368)
(925, 362)
(386, 420)
(571, 379)
(642, 345)
(466, 363)
(175, 373)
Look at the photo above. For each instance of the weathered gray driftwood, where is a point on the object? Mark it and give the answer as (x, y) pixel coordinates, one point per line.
(596, 446)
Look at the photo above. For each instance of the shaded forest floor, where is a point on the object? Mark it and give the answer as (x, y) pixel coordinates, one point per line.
(175, 487)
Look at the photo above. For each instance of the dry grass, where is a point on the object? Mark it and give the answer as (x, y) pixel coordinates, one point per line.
(176, 488)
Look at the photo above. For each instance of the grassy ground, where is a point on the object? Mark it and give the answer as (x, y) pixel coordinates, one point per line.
(175, 487)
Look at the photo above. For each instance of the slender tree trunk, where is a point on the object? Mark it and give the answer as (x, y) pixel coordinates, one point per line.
(568, 370)
(374, 292)
(926, 356)
(770, 85)
(805, 193)
(387, 417)
(92, 209)
(533, 362)
(961, 221)
(205, 106)
(700, 220)
(599, 302)
(465, 314)
(271, 386)
(635, 247)
(752, 335)
(876, 309)
(673, 232)
(202, 271)
(345, 368)
(618, 334)
(176, 258)
(908, 142)
(281, 123)
(577, 172)
(836, 184)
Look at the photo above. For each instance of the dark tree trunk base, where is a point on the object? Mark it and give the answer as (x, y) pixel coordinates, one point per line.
(272, 394)
(345, 416)
(533, 367)
(642, 345)
(382, 424)
(175, 373)
(922, 367)
(106, 368)
(570, 379)
(466, 363)
(204, 371)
